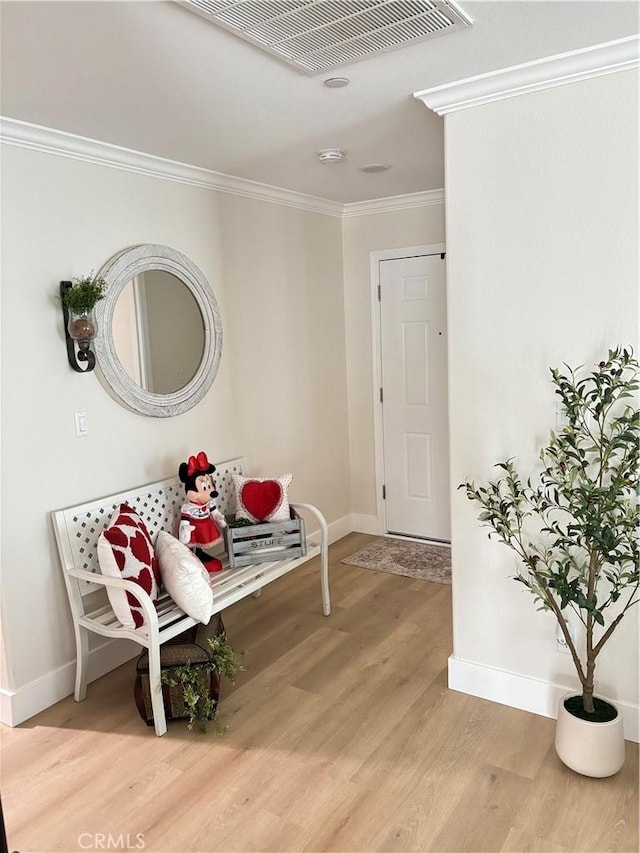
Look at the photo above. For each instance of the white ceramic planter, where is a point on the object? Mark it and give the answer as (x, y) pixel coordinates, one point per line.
(592, 749)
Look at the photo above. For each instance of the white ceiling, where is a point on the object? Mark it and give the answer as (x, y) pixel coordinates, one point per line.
(155, 77)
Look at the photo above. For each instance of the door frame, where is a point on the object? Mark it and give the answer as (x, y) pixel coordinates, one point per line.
(375, 259)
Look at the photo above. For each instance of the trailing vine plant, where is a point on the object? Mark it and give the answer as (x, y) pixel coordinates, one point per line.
(575, 530)
(194, 680)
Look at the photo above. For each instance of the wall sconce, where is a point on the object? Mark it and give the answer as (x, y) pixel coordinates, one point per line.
(79, 330)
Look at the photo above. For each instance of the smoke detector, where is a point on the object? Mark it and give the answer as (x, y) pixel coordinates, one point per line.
(330, 155)
(316, 35)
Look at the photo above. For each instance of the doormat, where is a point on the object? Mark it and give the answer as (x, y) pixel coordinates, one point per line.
(416, 560)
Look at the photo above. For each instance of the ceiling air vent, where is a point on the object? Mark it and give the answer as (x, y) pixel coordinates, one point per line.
(315, 35)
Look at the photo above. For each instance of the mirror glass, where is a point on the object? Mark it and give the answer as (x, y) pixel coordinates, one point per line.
(159, 336)
(158, 333)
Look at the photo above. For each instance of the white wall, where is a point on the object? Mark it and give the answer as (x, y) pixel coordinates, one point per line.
(283, 279)
(363, 235)
(542, 251)
(278, 278)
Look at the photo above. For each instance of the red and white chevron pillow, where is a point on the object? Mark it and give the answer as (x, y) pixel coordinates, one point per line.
(125, 550)
(260, 500)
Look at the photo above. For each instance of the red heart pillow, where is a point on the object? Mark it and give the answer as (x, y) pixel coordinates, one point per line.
(262, 499)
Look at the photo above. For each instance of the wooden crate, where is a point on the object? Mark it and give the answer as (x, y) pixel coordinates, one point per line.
(265, 542)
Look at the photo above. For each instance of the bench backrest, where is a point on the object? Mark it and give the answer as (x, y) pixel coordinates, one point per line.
(78, 528)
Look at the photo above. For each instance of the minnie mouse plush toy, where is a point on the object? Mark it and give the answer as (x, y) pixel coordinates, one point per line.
(200, 518)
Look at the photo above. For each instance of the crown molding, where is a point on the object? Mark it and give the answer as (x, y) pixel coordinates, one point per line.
(51, 141)
(62, 144)
(620, 55)
(397, 202)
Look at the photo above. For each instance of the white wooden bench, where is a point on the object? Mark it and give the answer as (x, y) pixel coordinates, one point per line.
(77, 530)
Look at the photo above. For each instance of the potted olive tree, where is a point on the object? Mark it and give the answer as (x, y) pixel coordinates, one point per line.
(575, 530)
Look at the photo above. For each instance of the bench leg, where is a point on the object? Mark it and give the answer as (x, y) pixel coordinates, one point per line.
(324, 580)
(324, 567)
(82, 662)
(155, 687)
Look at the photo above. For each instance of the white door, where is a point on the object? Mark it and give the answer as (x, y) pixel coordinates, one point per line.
(413, 332)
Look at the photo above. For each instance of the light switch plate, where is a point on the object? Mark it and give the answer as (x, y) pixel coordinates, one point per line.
(82, 424)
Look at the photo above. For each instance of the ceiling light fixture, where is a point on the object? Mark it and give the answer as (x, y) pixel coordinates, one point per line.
(336, 82)
(374, 168)
(330, 155)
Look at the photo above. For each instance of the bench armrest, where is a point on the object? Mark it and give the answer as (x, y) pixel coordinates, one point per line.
(148, 610)
(324, 552)
(315, 512)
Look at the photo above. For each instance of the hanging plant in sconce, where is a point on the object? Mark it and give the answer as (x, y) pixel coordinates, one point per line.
(79, 299)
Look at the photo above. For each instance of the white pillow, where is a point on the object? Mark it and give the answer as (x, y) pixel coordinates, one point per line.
(184, 577)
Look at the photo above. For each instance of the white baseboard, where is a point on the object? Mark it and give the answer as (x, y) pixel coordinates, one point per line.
(342, 527)
(353, 523)
(25, 702)
(527, 694)
(366, 524)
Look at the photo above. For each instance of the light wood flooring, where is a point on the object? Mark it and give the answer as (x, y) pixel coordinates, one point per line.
(342, 736)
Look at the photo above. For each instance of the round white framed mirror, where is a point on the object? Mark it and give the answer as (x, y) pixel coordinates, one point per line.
(159, 337)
